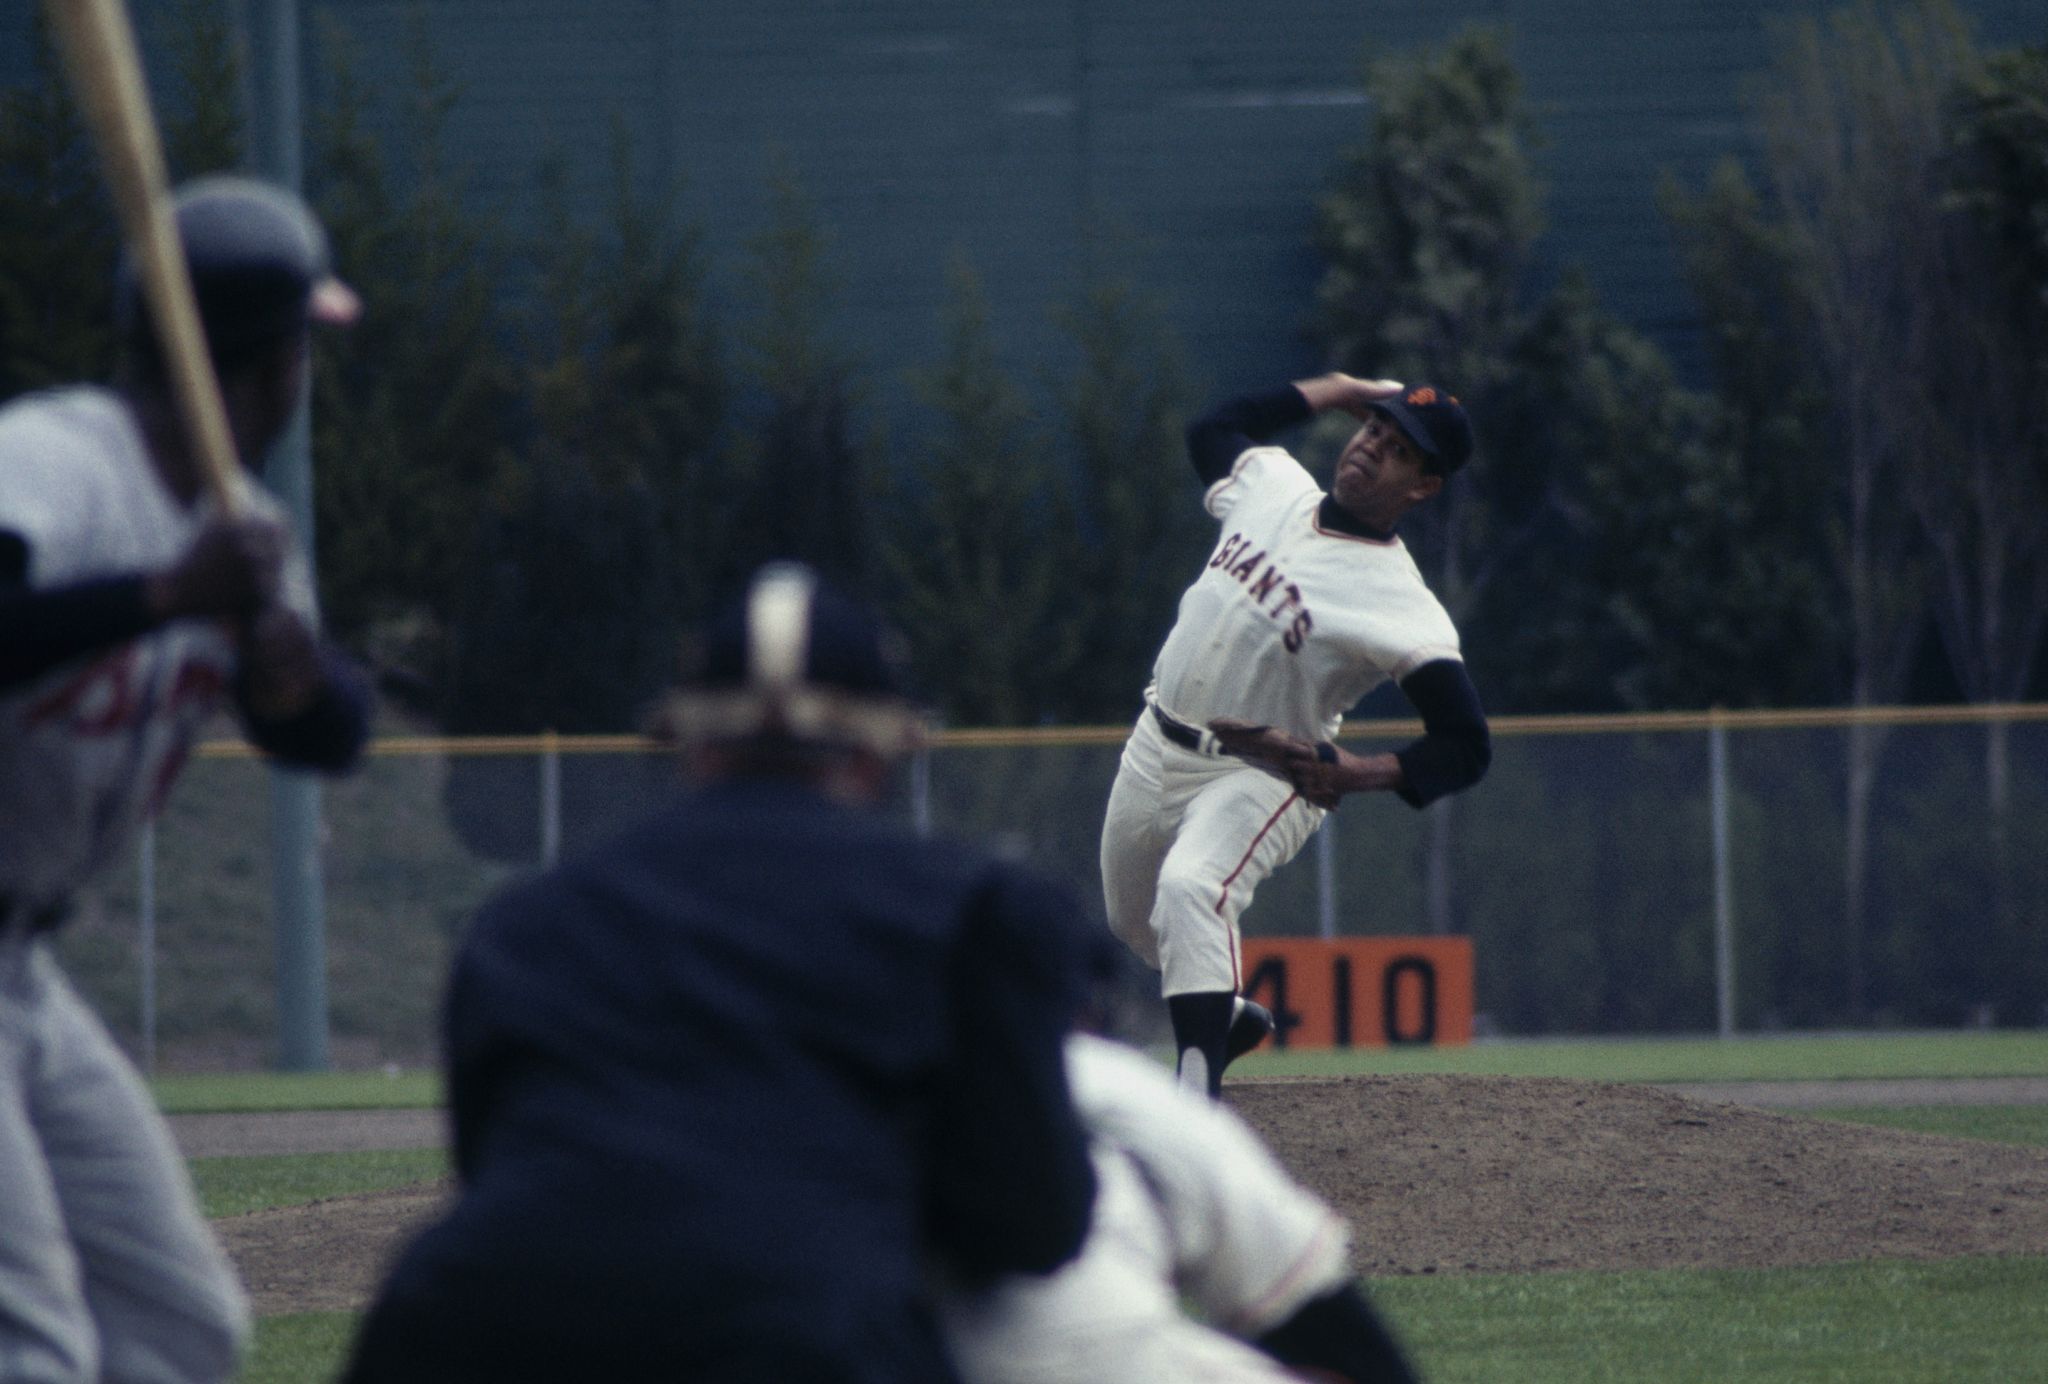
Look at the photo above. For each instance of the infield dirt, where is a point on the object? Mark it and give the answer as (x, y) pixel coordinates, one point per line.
(1465, 1174)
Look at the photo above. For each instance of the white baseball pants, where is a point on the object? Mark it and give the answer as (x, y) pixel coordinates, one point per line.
(1187, 839)
(108, 1271)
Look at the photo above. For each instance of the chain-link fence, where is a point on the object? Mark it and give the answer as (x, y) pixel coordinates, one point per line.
(1621, 875)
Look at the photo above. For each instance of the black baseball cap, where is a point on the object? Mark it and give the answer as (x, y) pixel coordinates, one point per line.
(259, 264)
(1436, 423)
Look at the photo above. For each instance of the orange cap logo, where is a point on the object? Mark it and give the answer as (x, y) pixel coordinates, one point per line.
(1426, 395)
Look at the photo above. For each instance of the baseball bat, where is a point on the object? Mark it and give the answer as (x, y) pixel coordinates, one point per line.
(97, 44)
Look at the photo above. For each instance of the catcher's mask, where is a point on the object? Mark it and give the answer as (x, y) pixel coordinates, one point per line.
(794, 661)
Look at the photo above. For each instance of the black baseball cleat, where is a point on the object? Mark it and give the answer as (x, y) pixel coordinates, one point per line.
(1250, 1025)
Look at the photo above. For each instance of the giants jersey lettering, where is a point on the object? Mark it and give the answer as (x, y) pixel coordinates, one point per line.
(1269, 587)
(89, 750)
(1291, 623)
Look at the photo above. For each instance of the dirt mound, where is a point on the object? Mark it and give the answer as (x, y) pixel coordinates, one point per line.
(1442, 1174)
(325, 1256)
(1499, 1175)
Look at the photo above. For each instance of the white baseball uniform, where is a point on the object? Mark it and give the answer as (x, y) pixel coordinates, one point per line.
(1190, 1207)
(107, 1269)
(1288, 625)
(88, 751)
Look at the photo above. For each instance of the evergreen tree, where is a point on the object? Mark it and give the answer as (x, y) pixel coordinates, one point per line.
(205, 125)
(1771, 416)
(1655, 601)
(1559, 553)
(1426, 235)
(805, 474)
(57, 238)
(603, 534)
(1428, 228)
(415, 406)
(1137, 515)
(975, 563)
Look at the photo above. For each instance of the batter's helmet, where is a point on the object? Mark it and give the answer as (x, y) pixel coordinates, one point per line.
(259, 265)
(1436, 423)
(795, 660)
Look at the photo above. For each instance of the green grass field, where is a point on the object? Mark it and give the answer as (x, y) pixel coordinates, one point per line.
(304, 1348)
(1971, 1321)
(230, 1186)
(2004, 1124)
(1793, 1057)
(1957, 1322)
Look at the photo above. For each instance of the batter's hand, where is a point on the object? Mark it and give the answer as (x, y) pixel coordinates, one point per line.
(230, 570)
(281, 668)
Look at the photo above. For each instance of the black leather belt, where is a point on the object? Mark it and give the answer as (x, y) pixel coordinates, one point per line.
(1178, 731)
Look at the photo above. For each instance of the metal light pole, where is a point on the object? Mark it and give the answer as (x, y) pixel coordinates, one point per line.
(297, 886)
(1724, 893)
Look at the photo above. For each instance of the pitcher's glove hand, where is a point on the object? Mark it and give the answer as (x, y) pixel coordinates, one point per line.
(1310, 766)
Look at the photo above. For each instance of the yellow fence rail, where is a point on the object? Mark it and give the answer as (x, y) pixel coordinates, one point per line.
(1622, 723)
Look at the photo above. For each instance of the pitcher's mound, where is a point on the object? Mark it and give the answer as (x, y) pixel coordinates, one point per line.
(1504, 1174)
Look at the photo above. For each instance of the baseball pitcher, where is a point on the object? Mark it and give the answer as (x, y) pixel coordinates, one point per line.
(130, 612)
(1308, 602)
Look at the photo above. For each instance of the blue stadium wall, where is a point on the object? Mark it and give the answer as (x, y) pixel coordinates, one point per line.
(1180, 144)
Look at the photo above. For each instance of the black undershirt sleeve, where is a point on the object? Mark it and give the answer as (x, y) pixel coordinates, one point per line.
(41, 630)
(1456, 746)
(1339, 1333)
(1219, 437)
(329, 734)
(1012, 1182)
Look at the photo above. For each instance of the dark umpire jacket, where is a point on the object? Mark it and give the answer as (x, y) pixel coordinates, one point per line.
(720, 1090)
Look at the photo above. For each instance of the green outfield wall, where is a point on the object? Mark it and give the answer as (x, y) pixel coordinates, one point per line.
(1179, 143)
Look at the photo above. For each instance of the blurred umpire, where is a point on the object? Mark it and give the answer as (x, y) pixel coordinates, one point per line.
(720, 1086)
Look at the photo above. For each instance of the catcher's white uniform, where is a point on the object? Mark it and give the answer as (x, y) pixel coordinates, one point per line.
(1189, 1207)
(1289, 624)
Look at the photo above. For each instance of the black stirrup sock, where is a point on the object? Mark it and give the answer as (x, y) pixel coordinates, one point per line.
(1201, 1029)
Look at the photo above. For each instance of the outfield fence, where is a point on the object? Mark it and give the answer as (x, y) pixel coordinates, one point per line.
(1618, 874)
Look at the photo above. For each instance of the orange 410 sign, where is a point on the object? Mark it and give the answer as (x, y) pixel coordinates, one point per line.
(1362, 992)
